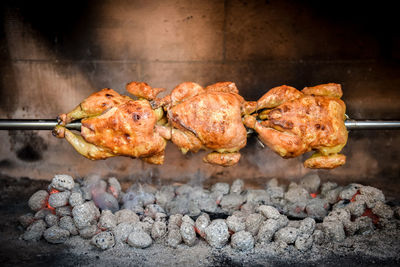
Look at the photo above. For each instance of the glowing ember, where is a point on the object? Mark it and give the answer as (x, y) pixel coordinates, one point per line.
(354, 197)
(313, 195)
(370, 214)
(53, 191)
(53, 210)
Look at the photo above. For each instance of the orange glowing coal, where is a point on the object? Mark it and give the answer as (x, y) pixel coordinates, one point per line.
(354, 197)
(368, 212)
(52, 191)
(313, 195)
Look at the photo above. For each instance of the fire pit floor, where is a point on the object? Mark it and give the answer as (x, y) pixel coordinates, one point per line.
(381, 247)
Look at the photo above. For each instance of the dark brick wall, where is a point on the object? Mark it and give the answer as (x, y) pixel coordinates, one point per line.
(55, 53)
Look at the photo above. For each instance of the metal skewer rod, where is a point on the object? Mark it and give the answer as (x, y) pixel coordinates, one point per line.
(34, 125)
(14, 124)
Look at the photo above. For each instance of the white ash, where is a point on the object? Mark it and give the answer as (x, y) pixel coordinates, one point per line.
(104, 240)
(76, 198)
(365, 225)
(62, 182)
(147, 224)
(267, 230)
(332, 196)
(294, 223)
(139, 239)
(287, 235)
(184, 189)
(188, 233)
(242, 241)
(152, 209)
(221, 188)
(371, 196)
(64, 211)
(122, 231)
(311, 182)
(349, 191)
(38, 200)
(114, 187)
(258, 197)
(193, 209)
(174, 238)
(253, 223)
(138, 196)
(236, 222)
(165, 195)
(276, 193)
(85, 214)
(126, 216)
(333, 230)
(105, 201)
(68, 224)
(89, 231)
(269, 212)
(256, 215)
(297, 194)
(51, 219)
(356, 208)
(56, 235)
(237, 187)
(230, 203)
(26, 219)
(317, 208)
(282, 221)
(217, 233)
(387, 224)
(304, 242)
(159, 230)
(307, 226)
(59, 199)
(325, 187)
(208, 204)
(248, 208)
(161, 217)
(318, 237)
(86, 193)
(107, 220)
(187, 219)
(34, 231)
(297, 209)
(201, 223)
(382, 210)
(175, 221)
(41, 214)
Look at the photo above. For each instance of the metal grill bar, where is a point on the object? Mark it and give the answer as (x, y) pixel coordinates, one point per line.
(12, 124)
(34, 125)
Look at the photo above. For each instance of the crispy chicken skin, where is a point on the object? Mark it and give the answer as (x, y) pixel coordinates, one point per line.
(206, 118)
(115, 125)
(294, 122)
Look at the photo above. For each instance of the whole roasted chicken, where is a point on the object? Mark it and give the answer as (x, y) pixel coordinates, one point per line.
(204, 118)
(115, 125)
(294, 122)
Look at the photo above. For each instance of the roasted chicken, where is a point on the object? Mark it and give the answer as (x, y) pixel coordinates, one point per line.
(205, 118)
(113, 125)
(291, 123)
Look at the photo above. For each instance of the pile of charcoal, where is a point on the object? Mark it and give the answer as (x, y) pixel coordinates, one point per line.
(304, 214)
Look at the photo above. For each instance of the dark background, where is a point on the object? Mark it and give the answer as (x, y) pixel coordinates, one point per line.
(55, 53)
